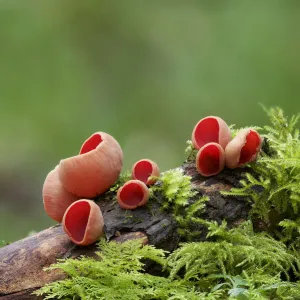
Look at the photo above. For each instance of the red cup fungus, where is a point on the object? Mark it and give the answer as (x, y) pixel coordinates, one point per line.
(132, 194)
(56, 199)
(210, 159)
(211, 130)
(83, 222)
(95, 169)
(243, 148)
(143, 169)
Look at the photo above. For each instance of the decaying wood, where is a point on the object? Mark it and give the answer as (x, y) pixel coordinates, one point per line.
(22, 262)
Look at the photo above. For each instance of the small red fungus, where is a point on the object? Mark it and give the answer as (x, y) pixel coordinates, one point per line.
(95, 169)
(243, 148)
(143, 169)
(132, 194)
(55, 198)
(210, 159)
(83, 222)
(211, 130)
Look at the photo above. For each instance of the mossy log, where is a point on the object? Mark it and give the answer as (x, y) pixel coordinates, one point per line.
(22, 262)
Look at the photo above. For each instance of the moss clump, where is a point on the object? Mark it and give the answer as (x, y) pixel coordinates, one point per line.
(181, 200)
(119, 274)
(236, 264)
(3, 243)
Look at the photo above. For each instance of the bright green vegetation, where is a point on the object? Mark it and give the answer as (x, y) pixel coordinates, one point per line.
(3, 243)
(118, 275)
(190, 151)
(237, 263)
(181, 200)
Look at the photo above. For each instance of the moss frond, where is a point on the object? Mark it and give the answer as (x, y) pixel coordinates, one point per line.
(190, 151)
(176, 188)
(234, 130)
(119, 274)
(236, 263)
(181, 200)
(3, 243)
(232, 252)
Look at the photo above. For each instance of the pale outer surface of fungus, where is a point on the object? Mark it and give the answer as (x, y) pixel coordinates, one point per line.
(94, 227)
(90, 174)
(55, 198)
(234, 147)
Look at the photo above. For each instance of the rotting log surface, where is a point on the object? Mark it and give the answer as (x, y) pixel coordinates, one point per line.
(22, 262)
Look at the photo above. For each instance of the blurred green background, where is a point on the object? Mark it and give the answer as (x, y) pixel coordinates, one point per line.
(143, 71)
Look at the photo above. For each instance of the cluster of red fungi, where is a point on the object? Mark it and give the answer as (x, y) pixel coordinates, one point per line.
(69, 188)
(213, 138)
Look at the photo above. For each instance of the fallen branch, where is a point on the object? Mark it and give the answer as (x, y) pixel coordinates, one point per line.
(22, 262)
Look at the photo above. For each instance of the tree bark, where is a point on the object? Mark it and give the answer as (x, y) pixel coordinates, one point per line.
(22, 262)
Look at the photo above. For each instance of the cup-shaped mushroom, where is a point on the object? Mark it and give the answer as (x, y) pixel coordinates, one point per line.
(243, 148)
(211, 130)
(143, 169)
(83, 222)
(210, 159)
(95, 169)
(133, 194)
(56, 199)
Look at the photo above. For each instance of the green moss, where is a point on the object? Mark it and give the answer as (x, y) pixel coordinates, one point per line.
(190, 151)
(181, 200)
(119, 274)
(3, 243)
(231, 264)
